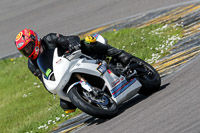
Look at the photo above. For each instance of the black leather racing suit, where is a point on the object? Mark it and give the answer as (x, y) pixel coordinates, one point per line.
(53, 40)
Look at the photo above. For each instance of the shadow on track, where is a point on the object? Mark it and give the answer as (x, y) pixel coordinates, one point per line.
(123, 107)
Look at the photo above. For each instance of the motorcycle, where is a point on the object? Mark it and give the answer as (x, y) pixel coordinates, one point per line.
(97, 87)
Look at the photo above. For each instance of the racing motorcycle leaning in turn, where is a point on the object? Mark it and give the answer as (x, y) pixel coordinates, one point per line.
(97, 87)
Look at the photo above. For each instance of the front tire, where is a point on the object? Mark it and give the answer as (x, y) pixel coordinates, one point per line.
(78, 98)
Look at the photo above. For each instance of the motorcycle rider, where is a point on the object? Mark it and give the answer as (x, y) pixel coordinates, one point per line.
(31, 45)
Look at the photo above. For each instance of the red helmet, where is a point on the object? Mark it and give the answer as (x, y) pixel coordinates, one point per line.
(28, 43)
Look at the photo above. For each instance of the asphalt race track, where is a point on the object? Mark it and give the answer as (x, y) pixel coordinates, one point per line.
(65, 16)
(174, 109)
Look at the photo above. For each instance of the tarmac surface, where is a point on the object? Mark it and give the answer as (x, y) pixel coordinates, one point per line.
(65, 16)
(173, 109)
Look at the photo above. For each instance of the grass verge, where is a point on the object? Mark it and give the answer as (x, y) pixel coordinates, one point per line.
(27, 107)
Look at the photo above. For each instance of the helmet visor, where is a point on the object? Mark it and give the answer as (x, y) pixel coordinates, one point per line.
(28, 49)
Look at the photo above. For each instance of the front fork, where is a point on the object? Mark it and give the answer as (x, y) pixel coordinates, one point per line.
(80, 77)
(84, 83)
(96, 92)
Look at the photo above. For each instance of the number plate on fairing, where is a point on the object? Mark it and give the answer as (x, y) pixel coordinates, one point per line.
(102, 69)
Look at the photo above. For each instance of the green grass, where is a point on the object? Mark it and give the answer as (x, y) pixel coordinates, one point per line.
(148, 43)
(25, 104)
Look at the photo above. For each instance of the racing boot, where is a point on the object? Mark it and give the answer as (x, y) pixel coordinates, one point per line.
(125, 59)
(68, 107)
(120, 55)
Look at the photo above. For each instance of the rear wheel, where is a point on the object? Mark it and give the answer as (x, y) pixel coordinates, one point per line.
(102, 106)
(148, 77)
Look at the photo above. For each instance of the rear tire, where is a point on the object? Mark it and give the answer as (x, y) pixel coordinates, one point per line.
(150, 82)
(77, 98)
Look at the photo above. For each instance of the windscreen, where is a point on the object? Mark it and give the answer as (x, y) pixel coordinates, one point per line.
(45, 62)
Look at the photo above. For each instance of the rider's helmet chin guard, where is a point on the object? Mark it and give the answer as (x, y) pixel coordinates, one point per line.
(28, 43)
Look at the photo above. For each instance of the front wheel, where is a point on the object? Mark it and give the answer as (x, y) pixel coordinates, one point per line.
(101, 107)
(148, 77)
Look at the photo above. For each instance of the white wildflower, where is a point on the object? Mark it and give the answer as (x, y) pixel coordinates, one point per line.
(149, 61)
(164, 27)
(63, 115)
(25, 95)
(49, 122)
(40, 127)
(57, 118)
(35, 83)
(43, 126)
(159, 30)
(176, 25)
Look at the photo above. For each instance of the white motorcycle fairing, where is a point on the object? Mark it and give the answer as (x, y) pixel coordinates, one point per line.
(120, 89)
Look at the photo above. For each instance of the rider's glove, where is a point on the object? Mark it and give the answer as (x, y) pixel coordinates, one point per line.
(74, 45)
